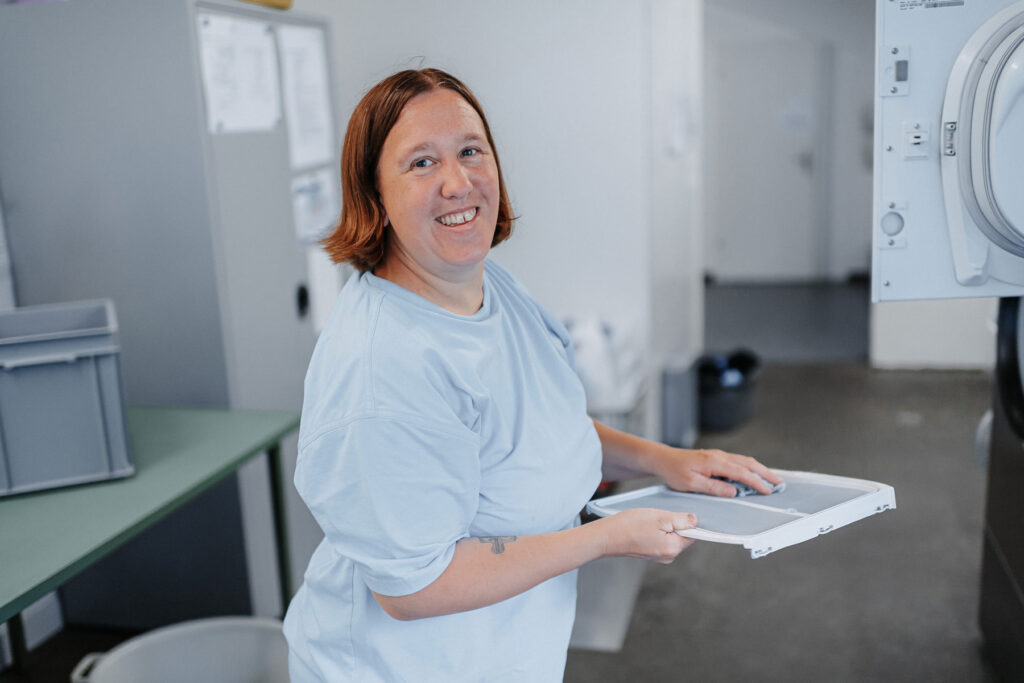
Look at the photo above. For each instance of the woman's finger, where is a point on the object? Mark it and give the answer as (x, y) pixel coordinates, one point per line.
(744, 469)
(763, 471)
(715, 487)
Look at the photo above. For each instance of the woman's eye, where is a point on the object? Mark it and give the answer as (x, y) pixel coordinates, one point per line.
(470, 152)
(421, 163)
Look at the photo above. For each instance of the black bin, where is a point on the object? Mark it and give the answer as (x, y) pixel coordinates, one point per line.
(726, 388)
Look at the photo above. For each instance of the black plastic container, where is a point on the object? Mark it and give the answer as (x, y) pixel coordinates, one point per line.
(726, 389)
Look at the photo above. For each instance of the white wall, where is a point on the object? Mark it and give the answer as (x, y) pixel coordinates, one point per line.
(676, 273)
(958, 333)
(567, 87)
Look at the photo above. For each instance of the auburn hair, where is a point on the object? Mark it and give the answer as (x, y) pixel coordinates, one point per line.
(361, 236)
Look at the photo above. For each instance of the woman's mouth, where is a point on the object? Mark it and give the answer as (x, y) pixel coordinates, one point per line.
(457, 218)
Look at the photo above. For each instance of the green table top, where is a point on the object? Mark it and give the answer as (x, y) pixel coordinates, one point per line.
(48, 537)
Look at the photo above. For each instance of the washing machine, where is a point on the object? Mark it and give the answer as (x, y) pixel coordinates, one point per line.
(949, 223)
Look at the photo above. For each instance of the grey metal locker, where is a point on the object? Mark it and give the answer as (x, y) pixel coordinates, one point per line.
(113, 186)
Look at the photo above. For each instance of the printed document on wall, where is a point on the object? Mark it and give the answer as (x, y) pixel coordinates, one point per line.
(307, 101)
(240, 74)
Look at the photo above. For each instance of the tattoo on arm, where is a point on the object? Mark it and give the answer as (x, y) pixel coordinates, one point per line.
(497, 542)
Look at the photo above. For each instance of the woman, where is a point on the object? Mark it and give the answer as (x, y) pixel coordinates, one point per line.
(445, 449)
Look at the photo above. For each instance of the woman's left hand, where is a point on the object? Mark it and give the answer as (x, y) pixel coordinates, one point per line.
(692, 470)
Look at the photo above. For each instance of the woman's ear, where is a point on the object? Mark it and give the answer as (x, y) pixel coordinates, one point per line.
(384, 213)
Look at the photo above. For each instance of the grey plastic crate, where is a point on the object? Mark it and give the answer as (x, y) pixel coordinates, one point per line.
(61, 411)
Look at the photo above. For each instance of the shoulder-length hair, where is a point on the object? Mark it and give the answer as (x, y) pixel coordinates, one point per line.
(361, 237)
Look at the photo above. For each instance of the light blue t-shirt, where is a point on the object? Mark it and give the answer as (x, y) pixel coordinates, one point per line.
(421, 427)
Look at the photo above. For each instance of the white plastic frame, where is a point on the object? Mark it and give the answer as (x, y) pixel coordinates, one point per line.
(802, 527)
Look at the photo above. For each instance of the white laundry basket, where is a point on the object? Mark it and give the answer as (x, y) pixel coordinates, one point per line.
(217, 650)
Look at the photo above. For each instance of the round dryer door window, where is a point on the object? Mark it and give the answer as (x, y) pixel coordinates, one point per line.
(983, 147)
(997, 140)
(998, 180)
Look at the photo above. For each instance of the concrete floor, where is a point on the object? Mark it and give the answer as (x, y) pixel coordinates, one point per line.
(891, 598)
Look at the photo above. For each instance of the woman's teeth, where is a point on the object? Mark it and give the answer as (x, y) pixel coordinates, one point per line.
(458, 218)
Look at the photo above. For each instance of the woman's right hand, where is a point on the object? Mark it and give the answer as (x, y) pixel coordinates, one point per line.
(646, 533)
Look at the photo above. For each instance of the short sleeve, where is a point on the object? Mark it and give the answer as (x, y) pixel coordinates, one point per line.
(393, 493)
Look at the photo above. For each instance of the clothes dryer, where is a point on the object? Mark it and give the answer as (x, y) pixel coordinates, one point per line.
(949, 223)
(949, 144)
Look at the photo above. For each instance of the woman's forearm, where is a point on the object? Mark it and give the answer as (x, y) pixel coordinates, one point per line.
(627, 456)
(487, 570)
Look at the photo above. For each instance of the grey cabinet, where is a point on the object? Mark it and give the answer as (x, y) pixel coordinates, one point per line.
(114, 187)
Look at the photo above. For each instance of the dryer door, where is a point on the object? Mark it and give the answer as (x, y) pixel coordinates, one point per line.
(951, 94)
(983, 152)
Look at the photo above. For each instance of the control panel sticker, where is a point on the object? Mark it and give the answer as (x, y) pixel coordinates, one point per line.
(928, 4)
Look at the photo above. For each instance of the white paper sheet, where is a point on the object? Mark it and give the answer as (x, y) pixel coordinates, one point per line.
(307, 103)
(314, 205)
(240, 74)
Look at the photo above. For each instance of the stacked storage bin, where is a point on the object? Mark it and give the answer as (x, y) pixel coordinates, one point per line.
(61, 413)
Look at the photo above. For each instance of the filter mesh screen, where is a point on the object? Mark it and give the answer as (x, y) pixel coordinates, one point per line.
(713, 514)
(735, 516)
(808, 498)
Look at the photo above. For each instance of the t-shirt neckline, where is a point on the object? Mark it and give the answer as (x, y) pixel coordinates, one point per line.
(410, 296)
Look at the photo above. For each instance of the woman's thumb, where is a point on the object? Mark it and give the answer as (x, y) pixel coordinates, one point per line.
(683, 522)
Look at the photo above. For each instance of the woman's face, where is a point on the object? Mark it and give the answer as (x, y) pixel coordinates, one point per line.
(438, 182)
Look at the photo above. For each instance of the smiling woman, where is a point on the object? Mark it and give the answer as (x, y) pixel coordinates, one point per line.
(445, 448)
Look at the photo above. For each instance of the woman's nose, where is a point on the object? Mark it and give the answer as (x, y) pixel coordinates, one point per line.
(455, 182)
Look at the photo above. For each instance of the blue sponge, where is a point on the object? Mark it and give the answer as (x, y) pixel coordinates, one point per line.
(748, 490)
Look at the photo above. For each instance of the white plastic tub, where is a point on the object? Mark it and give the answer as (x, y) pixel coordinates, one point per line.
(217, 650)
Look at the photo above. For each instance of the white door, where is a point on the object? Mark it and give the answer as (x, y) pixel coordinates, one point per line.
(766, 167)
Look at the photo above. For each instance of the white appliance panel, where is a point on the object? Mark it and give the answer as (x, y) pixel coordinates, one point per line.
(949, 145)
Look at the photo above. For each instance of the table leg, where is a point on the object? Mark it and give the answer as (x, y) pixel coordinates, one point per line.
(19, 650)
(277, 493)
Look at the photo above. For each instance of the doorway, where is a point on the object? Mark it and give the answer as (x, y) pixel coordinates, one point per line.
(788, 174)
(767, 167)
